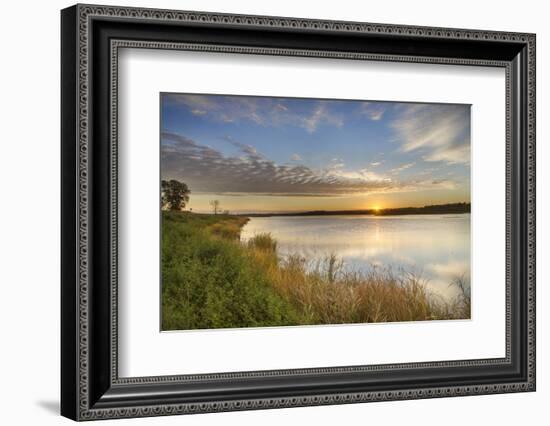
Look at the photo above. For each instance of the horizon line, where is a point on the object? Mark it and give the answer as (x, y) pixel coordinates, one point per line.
(332, 211)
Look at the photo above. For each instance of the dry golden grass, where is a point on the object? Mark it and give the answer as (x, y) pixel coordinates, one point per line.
(212, 280)
(325, 293)
(228, 228)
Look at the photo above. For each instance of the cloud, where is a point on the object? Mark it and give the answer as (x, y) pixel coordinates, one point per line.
(208, 170)
(402, 167)
(376, 163)
(320, 115)
(249, 150)
(296, 157)
(263, 111)
(374, 111)
(437, 132)
(363, 174)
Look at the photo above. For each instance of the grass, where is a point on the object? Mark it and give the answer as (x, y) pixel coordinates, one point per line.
(209, 279)
(212, 280)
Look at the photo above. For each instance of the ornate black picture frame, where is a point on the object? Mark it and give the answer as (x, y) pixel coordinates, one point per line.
(91, 36)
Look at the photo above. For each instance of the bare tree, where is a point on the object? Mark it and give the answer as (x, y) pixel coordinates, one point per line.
(215, 204)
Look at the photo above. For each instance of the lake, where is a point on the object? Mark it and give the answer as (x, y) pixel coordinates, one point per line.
(437, 247)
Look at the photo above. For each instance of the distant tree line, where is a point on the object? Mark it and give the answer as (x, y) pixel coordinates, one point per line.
(455, 208)
(432, 209)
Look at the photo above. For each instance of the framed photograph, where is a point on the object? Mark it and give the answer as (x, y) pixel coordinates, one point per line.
(263, 212)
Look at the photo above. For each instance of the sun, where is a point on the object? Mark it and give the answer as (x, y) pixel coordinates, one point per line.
(377, 209)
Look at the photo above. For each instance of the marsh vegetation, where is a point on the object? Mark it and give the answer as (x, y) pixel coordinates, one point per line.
(212, 279)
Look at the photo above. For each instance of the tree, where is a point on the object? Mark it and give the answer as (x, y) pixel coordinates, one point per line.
(174, 195)
(215, 204)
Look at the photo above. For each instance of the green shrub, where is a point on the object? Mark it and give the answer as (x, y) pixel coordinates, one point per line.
(210, 281)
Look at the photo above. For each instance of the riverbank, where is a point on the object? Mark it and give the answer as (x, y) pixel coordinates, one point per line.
(212, 280)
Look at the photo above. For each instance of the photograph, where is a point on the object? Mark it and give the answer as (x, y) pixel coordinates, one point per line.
(263, 209)
(279, 211)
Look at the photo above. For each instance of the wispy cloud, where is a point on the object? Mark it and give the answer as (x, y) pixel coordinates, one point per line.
(205, 169)
(262, 111)
(363, 174)
(296, 157)
(438, 132)
(375, 111)
(320, 115)
(249, 150)
(402, 167)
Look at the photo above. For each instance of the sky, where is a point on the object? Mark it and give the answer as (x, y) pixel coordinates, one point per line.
(267, 154)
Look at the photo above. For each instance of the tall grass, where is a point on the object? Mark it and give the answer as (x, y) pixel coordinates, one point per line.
(211, 280)
(325, 293)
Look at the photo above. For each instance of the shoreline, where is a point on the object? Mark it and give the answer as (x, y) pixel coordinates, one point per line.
(313, 214)
(439, 209)
(211, 279)
(455, 208)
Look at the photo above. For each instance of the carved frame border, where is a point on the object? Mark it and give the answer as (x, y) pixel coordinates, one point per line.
(87, 12)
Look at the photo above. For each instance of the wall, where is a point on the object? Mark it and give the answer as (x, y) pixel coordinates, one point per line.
(29, 225)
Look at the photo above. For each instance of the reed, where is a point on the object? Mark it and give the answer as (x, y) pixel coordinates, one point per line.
(325, 293)
(212, 280)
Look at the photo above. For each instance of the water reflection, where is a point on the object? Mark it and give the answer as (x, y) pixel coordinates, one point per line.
(435, 246)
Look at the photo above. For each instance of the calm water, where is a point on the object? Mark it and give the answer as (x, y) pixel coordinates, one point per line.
(435, 246)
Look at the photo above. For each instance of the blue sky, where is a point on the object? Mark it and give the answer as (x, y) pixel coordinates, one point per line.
(285, 154)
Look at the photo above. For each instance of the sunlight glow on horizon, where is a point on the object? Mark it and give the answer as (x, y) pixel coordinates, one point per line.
(237, 204)
(269, 154)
